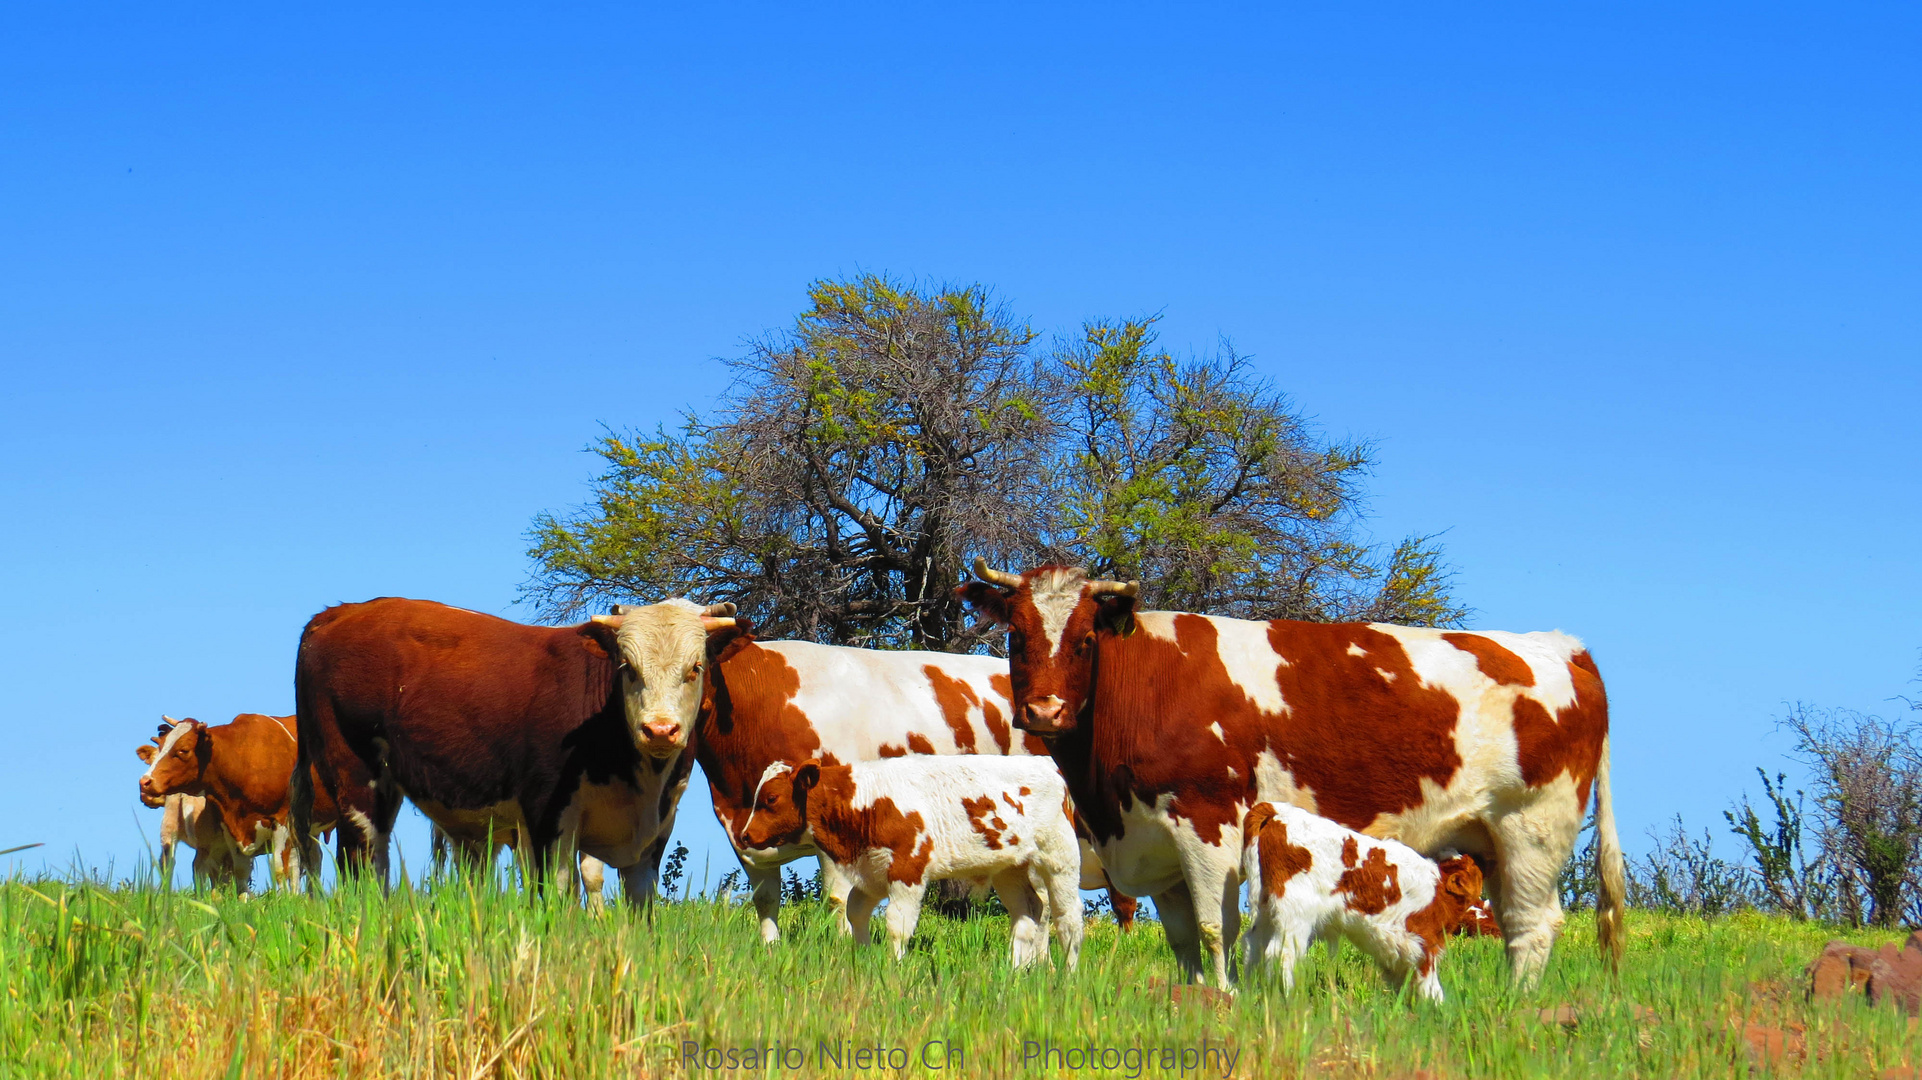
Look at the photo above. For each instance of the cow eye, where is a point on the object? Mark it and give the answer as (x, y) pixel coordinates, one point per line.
(1086, 644)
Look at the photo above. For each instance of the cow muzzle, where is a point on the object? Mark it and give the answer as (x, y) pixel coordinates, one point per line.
(148, 799)
(1043, 717)
(659, 738)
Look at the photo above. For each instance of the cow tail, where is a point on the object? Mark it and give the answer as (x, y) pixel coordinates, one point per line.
(1611, 888)
(308, 752)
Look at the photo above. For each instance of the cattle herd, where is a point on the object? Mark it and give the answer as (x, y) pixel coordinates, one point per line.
(1152, 753)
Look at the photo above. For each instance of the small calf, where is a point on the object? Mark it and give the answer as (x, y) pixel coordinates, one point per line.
(1309, 877)
(892, 826)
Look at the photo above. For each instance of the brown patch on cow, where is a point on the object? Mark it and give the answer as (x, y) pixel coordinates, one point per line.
(956, 698)
(1496, 662)
(1373, 885)
(1019, 809)
(1457, 891)
(983, 819)
(997, 725)
(888, 750)
(843, 832)
(748, 722)
(1280, 860)
(1570, 741)
(1034, 745)
(919, 744)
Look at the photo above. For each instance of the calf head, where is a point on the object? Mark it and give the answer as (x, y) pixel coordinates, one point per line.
(178, 764)
(779, 815)
(664, 653)
(1055, 616)
(1459, 893)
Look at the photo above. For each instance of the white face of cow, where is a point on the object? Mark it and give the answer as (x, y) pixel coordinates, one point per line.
(663, 673)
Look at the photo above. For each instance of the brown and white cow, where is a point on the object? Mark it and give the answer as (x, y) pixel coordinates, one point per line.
(1169, 726)
(241, 769)
(570, 738)
(184, 819)
(1310, 878)
(773, 701)
(893, 827)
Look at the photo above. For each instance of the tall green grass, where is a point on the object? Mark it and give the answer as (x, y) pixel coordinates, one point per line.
(458, 979)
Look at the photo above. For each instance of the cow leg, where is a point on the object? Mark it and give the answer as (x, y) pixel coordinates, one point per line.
(1214, 885)
(1532, 845)
(639, 882)
(861, 905)
(1177, 911)
(1024, 912)
(766, 884)
(594, 882)
(904, 911)
(835, 886)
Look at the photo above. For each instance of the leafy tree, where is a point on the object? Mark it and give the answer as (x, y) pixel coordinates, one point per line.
(861, 457)
(1203, 482)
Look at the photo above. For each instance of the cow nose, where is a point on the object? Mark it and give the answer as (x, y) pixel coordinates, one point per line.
(1044, 713)
(662, 730)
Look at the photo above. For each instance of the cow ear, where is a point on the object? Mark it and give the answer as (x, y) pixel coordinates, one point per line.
(146, 752)
(601, 638)
(990, 600)
(725, 641)
(1115, 612)
(807, 775)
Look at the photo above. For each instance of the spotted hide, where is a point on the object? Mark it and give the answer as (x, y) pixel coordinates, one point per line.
(890, 828)
(568, 739)
(1309, 877)
(1170, 726)
(794, 701)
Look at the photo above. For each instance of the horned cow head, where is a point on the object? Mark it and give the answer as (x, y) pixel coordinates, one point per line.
(1054, 614)
(664, 651)
(176, 760)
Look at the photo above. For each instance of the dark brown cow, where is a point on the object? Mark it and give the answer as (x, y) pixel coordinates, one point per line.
(568, 738)
(241, 769)
(1169, 726)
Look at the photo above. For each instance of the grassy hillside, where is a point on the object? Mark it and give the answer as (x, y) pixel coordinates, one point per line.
(461, 981)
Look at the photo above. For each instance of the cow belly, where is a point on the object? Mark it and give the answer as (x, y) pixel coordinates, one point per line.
(1145, 860)
(617, 824)
(501, 823)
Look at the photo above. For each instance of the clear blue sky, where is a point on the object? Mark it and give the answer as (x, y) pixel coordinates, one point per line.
(310, 306)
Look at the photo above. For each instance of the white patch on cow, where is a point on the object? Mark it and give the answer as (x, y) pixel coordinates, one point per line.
(1386, 675)
(1234, 773)
(166, 746)
(1277, 785)
(1251, 661)
(1156, 624)
(1056, 594)
(365, 824)
(1219, 734)
(859, 700)
(1356, 650)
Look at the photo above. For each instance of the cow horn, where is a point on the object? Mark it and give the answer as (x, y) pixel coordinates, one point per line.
(992, 576)
(1115, 588)
(717, 611)
(710, 624)
(610, 620)
(168, 720)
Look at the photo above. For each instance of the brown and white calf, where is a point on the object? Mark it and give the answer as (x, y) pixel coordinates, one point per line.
(1169, 726)
(774, 701)
(570, 739)
(891, 827)
(1310, 878)
(241, 770)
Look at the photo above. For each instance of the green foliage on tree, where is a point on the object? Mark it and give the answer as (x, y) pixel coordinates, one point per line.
(862, 457)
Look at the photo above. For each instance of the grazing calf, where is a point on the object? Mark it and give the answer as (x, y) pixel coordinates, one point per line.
(1313, 878)
(890, 827)
(241, 771)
